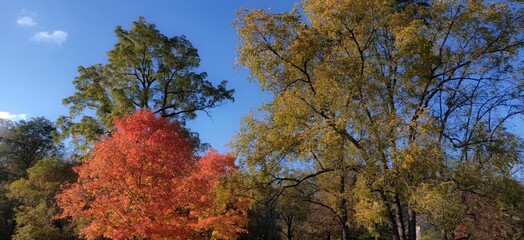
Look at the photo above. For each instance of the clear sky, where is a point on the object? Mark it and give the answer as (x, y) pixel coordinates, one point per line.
(43, 42)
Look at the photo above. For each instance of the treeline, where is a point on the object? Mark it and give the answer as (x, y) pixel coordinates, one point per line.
(389, 120)
(32, 169)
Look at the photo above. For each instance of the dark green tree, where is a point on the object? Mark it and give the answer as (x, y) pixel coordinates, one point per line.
(25, 142)
(21, 145)
(6, 213)
(145, 70)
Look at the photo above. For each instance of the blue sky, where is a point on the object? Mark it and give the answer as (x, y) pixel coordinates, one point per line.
(43, 42)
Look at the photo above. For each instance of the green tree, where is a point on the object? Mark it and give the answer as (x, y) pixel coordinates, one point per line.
(36, 203)
(6, 206)
(21, 145)
(25, 142)
(389, 103)
(145, 70)
(7, 225)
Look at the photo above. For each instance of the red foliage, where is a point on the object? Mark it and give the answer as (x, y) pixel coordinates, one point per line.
(145, 181)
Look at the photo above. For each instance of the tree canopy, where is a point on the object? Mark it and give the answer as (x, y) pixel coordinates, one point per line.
(145, 70)
(390, 110)
(388, 119)
(144, 180)
(36, 204)
(23, 143)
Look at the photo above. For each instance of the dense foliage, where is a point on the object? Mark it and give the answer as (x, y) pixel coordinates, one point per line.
(22, 145)
(36, 206)
(390, 115)
(25, 142)
(145, 70)
(389, 119)
(145, 181)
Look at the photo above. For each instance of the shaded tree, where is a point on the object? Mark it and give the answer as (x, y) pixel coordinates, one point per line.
(293, 210)
(263, 212)
(24, 143)
(7, 224)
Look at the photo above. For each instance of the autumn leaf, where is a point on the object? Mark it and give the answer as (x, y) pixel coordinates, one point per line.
(144, 180)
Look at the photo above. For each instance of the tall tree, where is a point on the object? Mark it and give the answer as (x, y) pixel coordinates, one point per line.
(145, 70)
(394, 103)
(144, 181)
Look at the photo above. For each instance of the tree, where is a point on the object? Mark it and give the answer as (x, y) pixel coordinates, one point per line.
(24, 143)
(5, 125)
(6, 213)
(292, 212)
(7, 225)
(21, 145)
(144, 180)
(263, 212)
(36, 203)
(395, 102)
(145, 70)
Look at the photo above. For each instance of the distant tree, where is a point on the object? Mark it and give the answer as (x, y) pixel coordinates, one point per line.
(293, 211)
(21, 145)
(262, 224)
(263, 213)
(320, 224)
(145, 70)
(36, 203)
(144, 181)
(25, 142)
(5, 125)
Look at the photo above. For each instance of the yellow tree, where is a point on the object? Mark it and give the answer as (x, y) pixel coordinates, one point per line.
(390, 104)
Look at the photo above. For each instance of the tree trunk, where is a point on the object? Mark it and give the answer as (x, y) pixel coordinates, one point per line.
(412, 223)
(343, 208)
(392, 223)
(399, 217)
(345, 232)
(289, 226)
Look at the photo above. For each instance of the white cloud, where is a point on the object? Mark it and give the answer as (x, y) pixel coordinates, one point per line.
(57, 37)
(13, 117)
(26, 21)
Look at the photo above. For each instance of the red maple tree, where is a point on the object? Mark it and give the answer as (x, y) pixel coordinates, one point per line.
(145, 181)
